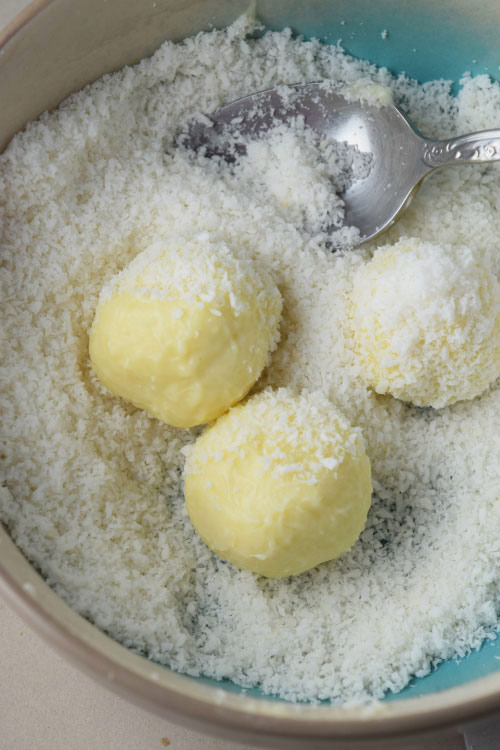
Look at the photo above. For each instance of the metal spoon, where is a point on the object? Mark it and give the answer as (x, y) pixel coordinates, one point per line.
(402, 156)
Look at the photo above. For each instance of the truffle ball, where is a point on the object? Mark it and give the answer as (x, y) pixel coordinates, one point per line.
(185, 330)
(426, 322)
(279, 484)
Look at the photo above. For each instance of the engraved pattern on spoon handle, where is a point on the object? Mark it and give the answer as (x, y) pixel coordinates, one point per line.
(483, 146)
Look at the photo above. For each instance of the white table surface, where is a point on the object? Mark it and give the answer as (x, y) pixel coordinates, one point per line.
(47, 704)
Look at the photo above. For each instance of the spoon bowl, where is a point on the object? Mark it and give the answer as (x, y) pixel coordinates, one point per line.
(401, 156)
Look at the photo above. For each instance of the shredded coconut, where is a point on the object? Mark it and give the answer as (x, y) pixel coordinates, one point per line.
(198, 271)
(306, 175)
(281, 418)
(91, 487)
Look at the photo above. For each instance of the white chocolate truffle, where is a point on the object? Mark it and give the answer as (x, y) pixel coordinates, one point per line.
(426, 323)
(185, 330)
(279, 484)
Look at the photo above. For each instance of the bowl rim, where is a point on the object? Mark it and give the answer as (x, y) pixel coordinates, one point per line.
(177, 696)
(21, 19)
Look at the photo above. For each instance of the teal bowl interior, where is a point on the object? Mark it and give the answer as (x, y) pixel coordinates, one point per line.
(426, 41)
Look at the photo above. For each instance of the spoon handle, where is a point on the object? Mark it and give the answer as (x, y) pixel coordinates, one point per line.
(483, 146)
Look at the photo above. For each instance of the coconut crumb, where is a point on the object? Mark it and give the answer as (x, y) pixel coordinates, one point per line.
(91, 487)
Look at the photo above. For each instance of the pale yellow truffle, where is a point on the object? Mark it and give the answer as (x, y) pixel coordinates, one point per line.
(426, 322)
(279, 484)
(185, 330)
